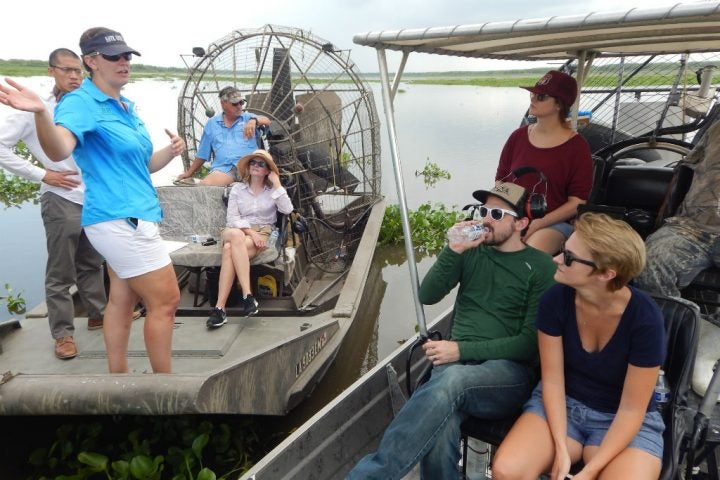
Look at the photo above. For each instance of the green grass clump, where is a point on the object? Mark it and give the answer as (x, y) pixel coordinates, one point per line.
(428, 224)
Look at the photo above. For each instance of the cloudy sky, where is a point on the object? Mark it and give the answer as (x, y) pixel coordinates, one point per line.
(163, 30)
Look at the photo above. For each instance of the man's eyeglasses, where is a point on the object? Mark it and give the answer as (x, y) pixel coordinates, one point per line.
(68, 70)
(496, 213)
(238, 103)
(540, 97)
(114, 58)
(258, 163)
(569, 258)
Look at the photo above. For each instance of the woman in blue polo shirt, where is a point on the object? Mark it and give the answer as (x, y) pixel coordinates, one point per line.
(101, 129)
(601, 346)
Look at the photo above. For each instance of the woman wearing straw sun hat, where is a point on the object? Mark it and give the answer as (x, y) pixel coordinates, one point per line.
(252, 208)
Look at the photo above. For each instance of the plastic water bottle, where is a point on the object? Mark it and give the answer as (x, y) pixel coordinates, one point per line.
(462, 233)
(197, 237)
(662, 392)
(272, 239)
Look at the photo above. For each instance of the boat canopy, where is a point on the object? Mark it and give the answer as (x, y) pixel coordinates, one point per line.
(671, 29)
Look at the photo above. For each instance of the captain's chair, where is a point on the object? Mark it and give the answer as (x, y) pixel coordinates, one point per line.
(202, 210)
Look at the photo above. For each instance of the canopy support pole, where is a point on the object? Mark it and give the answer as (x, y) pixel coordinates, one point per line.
(580, 77)
(397, 169)
(399, 73)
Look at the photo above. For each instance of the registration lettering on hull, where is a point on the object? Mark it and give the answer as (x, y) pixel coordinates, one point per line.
(309, 355)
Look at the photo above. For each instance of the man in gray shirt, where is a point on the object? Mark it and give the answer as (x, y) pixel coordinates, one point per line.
(71, 258)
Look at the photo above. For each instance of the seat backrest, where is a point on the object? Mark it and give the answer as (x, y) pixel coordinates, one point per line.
(681, 326)
(634, 193)
(642, 187)
(197, 209)
(202, 210)
(598, 181)
(679, 186)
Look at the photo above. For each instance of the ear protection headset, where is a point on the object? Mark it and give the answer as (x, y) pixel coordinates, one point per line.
(535, 203)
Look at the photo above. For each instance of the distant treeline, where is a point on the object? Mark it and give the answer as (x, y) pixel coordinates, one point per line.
(31, 68)
(28, 68)
(600, 76)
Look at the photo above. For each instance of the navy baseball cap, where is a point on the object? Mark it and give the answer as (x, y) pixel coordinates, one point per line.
(107, 42)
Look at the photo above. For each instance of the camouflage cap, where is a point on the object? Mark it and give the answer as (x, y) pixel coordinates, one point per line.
(231, 94)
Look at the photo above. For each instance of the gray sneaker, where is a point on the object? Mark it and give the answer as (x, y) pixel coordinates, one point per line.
(250, 306)
(217, 318)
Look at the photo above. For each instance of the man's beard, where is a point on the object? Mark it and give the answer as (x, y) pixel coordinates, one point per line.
(496, 239)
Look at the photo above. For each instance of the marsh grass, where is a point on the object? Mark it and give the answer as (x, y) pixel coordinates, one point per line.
(491, 78)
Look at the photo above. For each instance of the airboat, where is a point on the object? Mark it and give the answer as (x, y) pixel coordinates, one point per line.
(310, 291)
(647, 96)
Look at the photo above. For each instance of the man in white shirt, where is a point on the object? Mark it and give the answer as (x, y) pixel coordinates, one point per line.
(71, 258)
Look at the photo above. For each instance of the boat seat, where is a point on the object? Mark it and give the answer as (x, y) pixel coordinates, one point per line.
(202, 210)
(634, 193)
(679, 186)
(645, 196)
(701, 445)
(681, 327)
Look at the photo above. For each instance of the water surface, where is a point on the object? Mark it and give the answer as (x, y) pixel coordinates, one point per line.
(460, 128)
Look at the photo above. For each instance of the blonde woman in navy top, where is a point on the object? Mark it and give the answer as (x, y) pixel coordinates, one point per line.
(601, 346)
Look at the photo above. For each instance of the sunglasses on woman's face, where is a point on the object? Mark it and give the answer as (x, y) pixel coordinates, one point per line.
(540, 97)
(496, 213)
(114, 58)
(569, 258)
(258, 163)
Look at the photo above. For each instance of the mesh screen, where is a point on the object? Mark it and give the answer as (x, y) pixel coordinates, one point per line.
(325, 130)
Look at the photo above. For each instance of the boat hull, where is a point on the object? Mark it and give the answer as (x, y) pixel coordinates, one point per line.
(260, 365)
(330, 443)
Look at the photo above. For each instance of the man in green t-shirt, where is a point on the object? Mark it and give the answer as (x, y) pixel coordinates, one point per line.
(488, 367)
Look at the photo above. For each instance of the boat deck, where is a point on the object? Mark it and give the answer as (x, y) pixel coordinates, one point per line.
(261, 365)
(196, 349)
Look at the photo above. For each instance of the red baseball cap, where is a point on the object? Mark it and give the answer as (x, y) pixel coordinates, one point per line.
(556, 84)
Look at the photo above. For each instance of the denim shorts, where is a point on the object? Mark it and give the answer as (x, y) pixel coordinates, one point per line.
(589, 426)
(563, 227)
(232, 173)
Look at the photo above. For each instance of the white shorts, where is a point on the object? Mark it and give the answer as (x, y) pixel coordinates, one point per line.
(129, 249)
